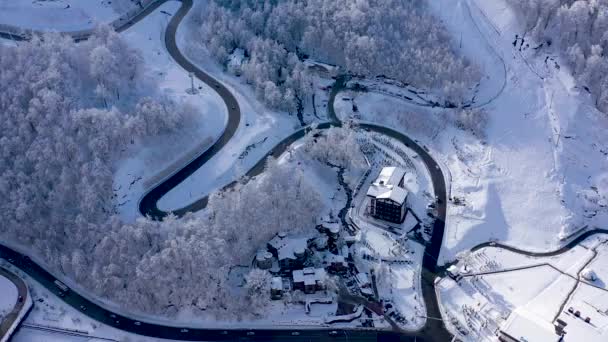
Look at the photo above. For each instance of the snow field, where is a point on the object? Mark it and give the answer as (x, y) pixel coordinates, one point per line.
(541, 287)
(9, 296)
(259, 130)
(58, 15)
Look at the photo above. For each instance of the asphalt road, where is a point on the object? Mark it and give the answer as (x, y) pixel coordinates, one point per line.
(572, 243)
(120, 25)
(434, 330)
(118, 321)
(148, 203)
(22, 292)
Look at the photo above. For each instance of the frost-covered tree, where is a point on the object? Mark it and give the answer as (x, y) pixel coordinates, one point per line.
(257, 284)
(579, 31)
(337, 146)
(399, 39)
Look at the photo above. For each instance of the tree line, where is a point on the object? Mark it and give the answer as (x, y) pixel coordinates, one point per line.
(578, 30)
(68, 114)
(398, 39)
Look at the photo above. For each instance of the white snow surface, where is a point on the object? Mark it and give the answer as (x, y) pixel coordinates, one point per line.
(259, 130)
(8, 299)
(57, 15)
(541, 158)
(498, 284)
(540, 174)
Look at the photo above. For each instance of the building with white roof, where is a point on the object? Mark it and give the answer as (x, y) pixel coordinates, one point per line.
(388, 195)
(309, 279)
(524, 326)
(290, 251)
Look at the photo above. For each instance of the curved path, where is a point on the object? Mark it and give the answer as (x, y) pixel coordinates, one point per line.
(148, 203)
(580, 238)
(6, 325)
(434, 330)
(121, 24)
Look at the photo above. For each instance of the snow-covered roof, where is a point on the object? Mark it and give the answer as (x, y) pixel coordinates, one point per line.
(453, 269)
(321, 221)
(276, 283)
(344, 251)
(287, 247)
(309, 275)
(387, 185)
(525, 326)
(578, 330)
(336, 259)
(292, 246)
(362, 279)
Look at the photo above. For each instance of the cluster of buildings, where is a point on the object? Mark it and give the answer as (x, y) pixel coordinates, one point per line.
(304, 263)
(289, 259)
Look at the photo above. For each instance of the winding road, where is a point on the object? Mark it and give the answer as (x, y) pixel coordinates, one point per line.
(571, 244)
(434, 329)
(148, 203)
(6, 324)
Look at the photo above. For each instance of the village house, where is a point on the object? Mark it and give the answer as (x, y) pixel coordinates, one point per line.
(388, 196)
(309, 279)
(337, 264)
(290, 251)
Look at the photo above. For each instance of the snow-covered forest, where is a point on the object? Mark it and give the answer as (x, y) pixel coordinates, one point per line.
(579, 31)
(345, 151)
(398, 39)
(69, 111)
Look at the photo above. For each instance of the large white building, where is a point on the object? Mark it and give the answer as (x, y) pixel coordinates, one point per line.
(388, 195)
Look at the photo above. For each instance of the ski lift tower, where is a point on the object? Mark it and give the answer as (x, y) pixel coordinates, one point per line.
(192, 90)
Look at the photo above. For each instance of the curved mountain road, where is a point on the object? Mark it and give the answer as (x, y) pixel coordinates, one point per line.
(6, 324)
(580, 238)
(434, 330)
(148, 203)
(121, 24)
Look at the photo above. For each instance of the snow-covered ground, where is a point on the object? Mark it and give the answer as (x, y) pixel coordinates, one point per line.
(8, 299)
(260, 129)
(61, 15)
(50, 312)
(543, 175)
(159, 156)
(399, 282)
(540, 172)
(498, 285)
